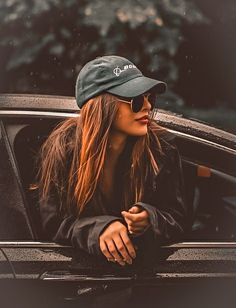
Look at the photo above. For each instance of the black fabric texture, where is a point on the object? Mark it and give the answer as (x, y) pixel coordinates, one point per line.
(164, 200)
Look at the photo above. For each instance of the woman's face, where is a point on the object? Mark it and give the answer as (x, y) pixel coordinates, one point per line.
(126, 121)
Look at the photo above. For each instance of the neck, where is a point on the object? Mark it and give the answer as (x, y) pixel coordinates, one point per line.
(116, 144)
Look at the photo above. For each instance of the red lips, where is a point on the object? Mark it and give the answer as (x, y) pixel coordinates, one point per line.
(143, 118)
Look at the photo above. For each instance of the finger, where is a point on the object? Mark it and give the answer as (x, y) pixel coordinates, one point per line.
(144, 214)
(131, 225)
(121, 247)
(135, 210)
(123, 213)
(130, 217)
(113, 251)
(138, 224)
(135, 217)
(128, 244)
(128, 221)
(105, 251)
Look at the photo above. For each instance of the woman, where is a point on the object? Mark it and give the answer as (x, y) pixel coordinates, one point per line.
(111, 181)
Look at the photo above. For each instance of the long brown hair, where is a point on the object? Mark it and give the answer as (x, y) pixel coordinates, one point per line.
(72, 158)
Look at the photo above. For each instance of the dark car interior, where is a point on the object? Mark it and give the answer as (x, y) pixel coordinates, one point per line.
(210, 179)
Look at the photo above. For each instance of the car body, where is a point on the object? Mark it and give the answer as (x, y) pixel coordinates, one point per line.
(44, 274)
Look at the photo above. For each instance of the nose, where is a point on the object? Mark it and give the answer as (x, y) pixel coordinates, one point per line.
(146, 104)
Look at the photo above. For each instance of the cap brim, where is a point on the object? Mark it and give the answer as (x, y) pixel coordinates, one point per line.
(137, 86)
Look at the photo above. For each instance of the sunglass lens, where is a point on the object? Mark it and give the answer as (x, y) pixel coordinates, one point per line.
(152, 98)
(137, 103)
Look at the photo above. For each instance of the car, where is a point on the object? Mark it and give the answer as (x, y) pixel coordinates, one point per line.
(199, 271)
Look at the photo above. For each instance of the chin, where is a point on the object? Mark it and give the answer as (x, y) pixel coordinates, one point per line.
(140, 133)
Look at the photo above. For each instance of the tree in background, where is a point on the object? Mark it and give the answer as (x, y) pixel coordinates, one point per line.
(45, 43)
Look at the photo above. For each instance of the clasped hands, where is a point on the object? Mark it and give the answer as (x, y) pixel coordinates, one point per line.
(115, 243)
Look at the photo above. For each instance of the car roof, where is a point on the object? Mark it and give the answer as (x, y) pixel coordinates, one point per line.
(67, 104)
(38, 102)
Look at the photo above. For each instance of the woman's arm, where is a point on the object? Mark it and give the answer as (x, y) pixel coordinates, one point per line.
(102, 235)
(82, 233)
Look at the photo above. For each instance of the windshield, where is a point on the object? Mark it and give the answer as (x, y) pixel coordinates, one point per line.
(191, 45)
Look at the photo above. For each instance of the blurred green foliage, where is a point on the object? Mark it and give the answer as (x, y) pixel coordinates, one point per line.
(45, 43)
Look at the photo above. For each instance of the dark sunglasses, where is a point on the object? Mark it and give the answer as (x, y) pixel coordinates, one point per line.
(136, 103)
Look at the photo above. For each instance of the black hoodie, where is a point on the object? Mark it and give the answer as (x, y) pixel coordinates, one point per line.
(164, 200)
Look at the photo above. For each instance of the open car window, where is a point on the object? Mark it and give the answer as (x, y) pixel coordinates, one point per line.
(14, 218)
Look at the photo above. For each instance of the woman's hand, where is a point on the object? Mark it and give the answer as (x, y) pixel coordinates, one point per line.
(137, 219)
(116, 245)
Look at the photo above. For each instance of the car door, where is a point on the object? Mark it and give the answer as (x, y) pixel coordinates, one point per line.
(23, 258)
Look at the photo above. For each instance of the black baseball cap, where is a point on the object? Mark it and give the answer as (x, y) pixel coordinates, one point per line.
(115, 75)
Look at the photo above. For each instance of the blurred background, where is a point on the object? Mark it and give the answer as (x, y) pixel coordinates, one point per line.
(191, 44)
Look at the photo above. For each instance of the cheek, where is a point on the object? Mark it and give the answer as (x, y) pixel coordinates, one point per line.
(122, 121)
(128, 125)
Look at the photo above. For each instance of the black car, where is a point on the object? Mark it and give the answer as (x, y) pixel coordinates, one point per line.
(201, 271)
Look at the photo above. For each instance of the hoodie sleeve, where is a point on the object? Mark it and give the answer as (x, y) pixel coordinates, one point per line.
(82, 233)
(168, 208)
